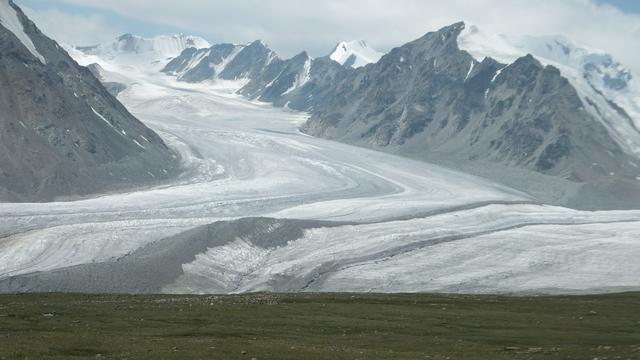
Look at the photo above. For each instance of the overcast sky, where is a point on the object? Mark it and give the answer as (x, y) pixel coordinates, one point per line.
(290, 26)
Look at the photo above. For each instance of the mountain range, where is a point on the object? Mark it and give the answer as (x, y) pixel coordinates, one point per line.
(526, 111)
(531, 112)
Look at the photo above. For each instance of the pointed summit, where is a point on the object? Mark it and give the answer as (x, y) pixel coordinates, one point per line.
(355, 54)
(259, 44)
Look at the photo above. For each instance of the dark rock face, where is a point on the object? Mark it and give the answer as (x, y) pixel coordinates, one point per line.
(249, 63)
(62, 133)
(196, 65)
(225, 62)
(280, 78)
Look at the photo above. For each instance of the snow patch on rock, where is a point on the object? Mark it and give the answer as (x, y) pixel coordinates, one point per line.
(10, 20)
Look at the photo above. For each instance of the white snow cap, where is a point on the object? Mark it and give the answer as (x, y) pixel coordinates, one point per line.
(162, 46)
(10, 20)
(481, 44)
(355, 54)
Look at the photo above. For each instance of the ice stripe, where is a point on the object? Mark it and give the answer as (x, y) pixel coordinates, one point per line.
(100, 116)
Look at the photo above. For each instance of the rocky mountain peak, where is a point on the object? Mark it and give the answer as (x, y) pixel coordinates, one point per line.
(61, 132)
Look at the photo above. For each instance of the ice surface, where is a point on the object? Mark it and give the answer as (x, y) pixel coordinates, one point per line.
(494, 248)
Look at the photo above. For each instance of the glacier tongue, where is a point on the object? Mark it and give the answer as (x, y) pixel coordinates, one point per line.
(9, 19)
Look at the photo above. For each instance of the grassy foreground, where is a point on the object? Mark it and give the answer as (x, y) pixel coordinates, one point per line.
(319, 326)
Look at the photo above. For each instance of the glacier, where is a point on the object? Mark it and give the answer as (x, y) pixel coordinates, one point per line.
(396, 225)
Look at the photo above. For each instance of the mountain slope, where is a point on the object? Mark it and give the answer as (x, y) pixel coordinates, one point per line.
(223, 62)
(61, 132)
(429, 96)
(195, 65)
(608, 90)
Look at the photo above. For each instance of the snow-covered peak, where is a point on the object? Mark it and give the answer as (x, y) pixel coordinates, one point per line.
(481, 44)
(355, 54)
(597, 66)
(613, 91)
(161, 47)
(609, 90)
(9, 19)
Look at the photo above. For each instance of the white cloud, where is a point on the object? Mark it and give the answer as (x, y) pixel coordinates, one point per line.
(72, 28)
(290, 26)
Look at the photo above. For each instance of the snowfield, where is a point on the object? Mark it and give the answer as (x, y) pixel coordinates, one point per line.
(399, 225)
